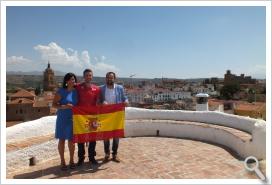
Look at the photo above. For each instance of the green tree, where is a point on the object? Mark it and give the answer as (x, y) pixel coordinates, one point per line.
(37, 91)
(251, 95)
(228, 91)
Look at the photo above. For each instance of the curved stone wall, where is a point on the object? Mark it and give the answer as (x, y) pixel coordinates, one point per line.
(144, 122)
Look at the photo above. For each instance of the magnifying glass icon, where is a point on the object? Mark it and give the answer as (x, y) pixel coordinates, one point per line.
(255, 167)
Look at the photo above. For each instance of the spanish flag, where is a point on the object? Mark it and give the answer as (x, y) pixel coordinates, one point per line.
(91, 123)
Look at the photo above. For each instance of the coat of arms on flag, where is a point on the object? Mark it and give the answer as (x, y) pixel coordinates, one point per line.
(100, 122)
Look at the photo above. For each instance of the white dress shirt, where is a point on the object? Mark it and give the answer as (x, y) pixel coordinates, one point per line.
(110, 96)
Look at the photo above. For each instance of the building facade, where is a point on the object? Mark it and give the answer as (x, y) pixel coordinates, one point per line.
(230, 79)
(24, 106)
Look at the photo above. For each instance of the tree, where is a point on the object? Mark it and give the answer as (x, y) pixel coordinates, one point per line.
(37, 91)
(251, 95)
(228, 91)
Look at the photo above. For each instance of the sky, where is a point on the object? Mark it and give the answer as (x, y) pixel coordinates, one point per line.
(148, 42)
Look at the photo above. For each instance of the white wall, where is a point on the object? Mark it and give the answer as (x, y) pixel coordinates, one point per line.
(139, 123)
(256, 147)
(212, 117)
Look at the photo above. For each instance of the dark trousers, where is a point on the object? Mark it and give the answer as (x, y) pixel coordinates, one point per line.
(115, 143)
(91, 150)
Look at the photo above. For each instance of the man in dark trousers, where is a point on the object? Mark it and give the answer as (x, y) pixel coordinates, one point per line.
(88, 95)
(112, 93)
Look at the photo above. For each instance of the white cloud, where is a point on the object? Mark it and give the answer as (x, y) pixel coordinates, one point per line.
(20, 63)
(255, 71)
(61, 59)
(57, 55)
(70, 50)
(85, 58)
(64, 60)
(103, 58)
(100, 67)
(260, 67)
(14, 60)
(258, 71)
(103, 67)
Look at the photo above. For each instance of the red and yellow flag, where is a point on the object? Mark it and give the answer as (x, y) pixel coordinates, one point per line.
(91, 123)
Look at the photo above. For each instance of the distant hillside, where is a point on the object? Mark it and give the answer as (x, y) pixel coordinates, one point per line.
(35, 79)
(26, 80)
(57, 73)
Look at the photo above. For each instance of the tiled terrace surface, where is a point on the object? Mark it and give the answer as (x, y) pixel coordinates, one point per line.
(27, 143)
(148, 158)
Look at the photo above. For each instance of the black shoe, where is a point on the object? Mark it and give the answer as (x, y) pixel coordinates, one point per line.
(80, 161)
(72, 166)
(106, 159)
(93, 161)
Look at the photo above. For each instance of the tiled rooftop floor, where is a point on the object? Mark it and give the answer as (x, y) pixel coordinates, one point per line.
(148, 158)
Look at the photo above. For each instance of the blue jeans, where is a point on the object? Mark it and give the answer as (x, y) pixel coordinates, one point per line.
(115, 144)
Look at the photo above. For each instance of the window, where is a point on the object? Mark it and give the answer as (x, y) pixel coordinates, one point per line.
(21, 111)
(39, 110)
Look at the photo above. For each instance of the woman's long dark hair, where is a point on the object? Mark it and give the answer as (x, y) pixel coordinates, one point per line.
(67, 77)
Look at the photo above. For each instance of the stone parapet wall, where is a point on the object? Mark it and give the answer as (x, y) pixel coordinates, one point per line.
(143, 122)
(257, 128)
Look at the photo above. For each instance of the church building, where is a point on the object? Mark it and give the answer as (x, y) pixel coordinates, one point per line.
(49, 83)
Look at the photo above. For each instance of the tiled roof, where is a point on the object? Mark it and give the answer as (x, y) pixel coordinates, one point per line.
(22, 93)
(21, 101)
(48, 97)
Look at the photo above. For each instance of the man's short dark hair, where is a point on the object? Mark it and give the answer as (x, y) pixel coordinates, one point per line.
(108, 73)
(87, 71)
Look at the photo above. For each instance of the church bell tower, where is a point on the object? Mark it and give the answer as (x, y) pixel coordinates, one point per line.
(49, 83)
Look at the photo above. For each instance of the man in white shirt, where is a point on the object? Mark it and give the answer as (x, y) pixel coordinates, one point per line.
(112, 93)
